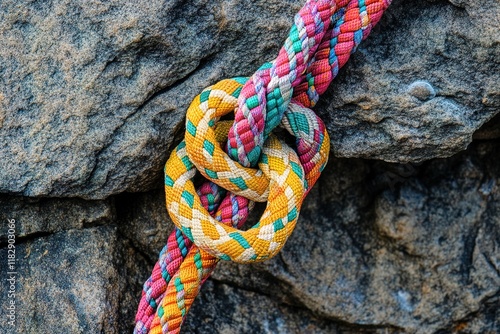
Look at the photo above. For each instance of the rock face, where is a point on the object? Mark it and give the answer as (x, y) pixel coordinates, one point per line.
(414, 91)
(93, 93)
(74, 281)
(92, 100)
(379, 248)
(421, 242)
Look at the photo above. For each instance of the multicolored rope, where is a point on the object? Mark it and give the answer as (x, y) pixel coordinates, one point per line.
(324, 35)
(280, 171)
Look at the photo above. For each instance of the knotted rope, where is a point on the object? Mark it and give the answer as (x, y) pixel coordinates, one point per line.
(321, 40)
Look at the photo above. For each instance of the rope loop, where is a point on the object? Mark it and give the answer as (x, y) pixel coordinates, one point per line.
(324, 35)
(281, 172)
(206, 153)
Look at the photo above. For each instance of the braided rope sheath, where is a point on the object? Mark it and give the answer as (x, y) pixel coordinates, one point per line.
(285, 193)
(265, 97)
(313, 147)
(233, 209)
(318, 45)
(171, 257)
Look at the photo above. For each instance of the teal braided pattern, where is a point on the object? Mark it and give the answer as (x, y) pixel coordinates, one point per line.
(270, 89)
(341, 32)
(307, 63)
(169, 262)
(353, 22)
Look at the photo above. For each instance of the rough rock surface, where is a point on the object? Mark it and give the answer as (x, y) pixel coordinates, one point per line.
(379, 248)
(93, 93)
(415, 90)
(42, 216)
(408, 247)
(92, 100)
(74, 281)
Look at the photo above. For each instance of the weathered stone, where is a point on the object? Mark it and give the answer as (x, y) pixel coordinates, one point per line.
(225, 309)
(491, 130)
(76, 281)
(454, 46)
(93, 93)
(43, 216)
(416, 250)
(92, 99)
(145, 221)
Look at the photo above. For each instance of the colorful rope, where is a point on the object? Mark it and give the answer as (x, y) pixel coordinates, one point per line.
(280, 171)
(324, 35)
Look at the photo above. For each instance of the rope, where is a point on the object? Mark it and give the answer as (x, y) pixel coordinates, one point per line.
(321, 40)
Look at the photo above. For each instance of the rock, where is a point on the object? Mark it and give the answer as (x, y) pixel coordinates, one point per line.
(75, 281)
(453, 46)
(379, 248)
(39, 217)
(94, 93)
(491, 130)
(145, 221)
(422, 90)
(225, 309)
(92, 100)
(415, 251)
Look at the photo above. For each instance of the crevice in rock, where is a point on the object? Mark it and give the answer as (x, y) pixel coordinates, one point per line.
(28, 238)
(202, 63)
(346, 326)
(490, 307)
(490, 130)
(491, 264)
(137, 249)
(39, 235)
(125, 205)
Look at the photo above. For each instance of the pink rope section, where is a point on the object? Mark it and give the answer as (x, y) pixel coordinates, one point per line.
(324, 35)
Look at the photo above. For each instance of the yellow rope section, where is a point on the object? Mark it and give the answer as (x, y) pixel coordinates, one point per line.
(280, 171)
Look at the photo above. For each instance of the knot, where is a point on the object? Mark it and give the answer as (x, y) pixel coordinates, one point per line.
(281, 177)
(266, 96)
(323, 36)
(321, 40)
(206, 153)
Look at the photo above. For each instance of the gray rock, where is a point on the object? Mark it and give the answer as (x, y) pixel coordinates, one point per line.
(422, 90)
(226, 310)
(454, 47)
(92, 100)
(408, 247)
(94, 93)
(43, 216)
(379, 248)
(76, 281)
(145, 221)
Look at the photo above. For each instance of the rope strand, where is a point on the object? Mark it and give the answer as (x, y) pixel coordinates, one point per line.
(320, 42)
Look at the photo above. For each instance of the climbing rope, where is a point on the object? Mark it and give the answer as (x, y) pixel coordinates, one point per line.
(321, 40)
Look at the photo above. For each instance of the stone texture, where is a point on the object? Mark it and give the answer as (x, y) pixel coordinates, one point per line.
(76, 281)
(92, 100)
(145, 221)
(224, 309)
(93, 93)
(409, 247)
(372, 111)
(379, 248)
(42, 216)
